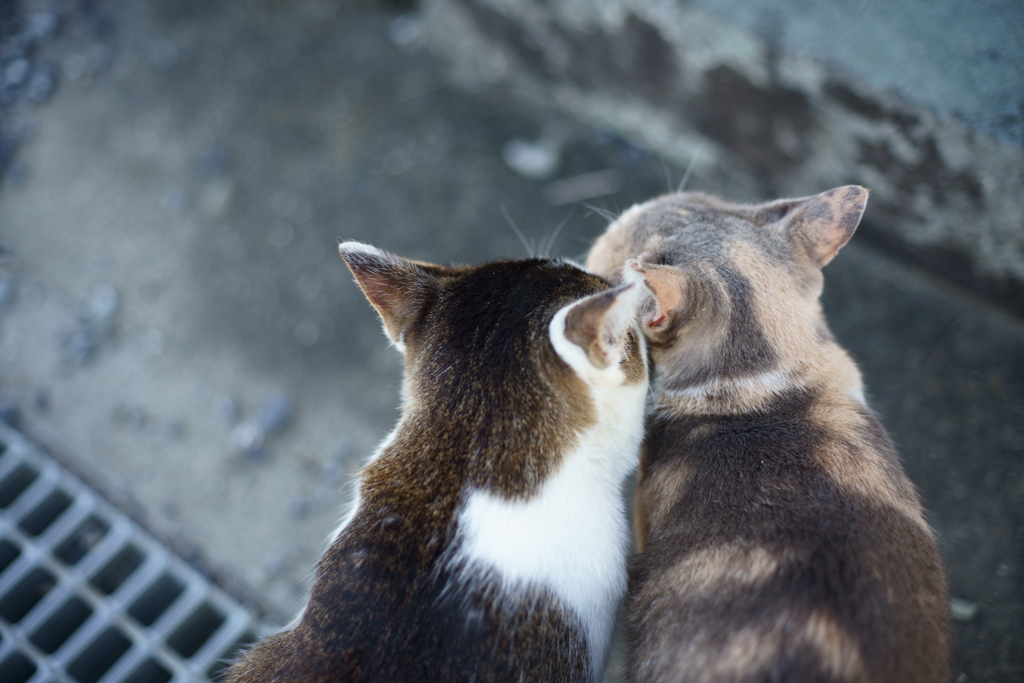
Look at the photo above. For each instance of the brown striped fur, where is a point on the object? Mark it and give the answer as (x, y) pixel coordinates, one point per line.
(490, 407)
(781, 539)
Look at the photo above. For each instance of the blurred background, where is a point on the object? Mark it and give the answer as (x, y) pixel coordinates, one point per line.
(177, 328)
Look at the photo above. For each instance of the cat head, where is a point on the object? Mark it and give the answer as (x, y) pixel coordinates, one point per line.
(735, 287)
(521, 353)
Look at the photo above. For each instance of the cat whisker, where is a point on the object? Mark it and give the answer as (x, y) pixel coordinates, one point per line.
(605, 213)
(528, 245)
(545, 251)
(668, 176)
(689, 168)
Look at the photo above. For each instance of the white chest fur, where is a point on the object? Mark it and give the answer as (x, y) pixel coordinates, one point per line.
(571, 537)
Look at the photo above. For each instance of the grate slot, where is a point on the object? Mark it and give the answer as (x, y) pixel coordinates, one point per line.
(26, 595)
(224, 639)
(127, 664)
(105, 549)
(99, 656)
(8, 554)
(72, 518)
(9, 463)
(196, 630)
(17, 668)
(82, 540)
(79, 642)
(155, 601)
(61, 625)
(46, 513)
(180, 610)
(110, 578)
(151, 671)
(15, 483)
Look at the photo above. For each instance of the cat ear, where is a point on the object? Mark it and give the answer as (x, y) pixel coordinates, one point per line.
(821, 224)
(397, 287)
(668, 285)
(599, 323)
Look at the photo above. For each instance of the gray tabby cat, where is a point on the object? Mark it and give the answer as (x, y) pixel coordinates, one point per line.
(781, 539)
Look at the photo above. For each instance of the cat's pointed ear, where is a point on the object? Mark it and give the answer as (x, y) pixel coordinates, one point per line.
(669, 287)
(397, 287)
(599, 324)
(821, 224)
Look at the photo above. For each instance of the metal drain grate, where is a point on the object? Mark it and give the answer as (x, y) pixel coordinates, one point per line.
(87, 596)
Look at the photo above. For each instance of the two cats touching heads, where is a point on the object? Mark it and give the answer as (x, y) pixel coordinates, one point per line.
(779, 538)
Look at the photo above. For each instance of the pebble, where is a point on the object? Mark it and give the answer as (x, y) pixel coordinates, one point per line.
(962, 610)
(103, 307)
(41, 84)
(79, 346)
(16, 72)
(41, 26)
(405, 30)
(533, 160)
(248, 439)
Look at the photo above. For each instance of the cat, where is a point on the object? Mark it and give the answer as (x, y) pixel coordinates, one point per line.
(489, 536)
(780, 538)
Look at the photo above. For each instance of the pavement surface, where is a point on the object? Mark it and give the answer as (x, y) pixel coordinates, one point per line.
(176, 324)
(960, 60)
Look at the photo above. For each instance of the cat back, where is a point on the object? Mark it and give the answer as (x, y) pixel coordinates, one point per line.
(781, 538)
(487, 541)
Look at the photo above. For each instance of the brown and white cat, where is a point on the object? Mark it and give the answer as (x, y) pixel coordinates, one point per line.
(781, 539)
(488, 540)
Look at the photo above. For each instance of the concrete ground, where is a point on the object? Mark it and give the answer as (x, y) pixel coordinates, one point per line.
(172, 292)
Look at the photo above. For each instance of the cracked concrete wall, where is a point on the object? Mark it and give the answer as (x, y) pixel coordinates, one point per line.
(923, 104)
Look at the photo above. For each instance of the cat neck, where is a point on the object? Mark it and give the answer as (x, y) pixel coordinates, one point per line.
(822, 368)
